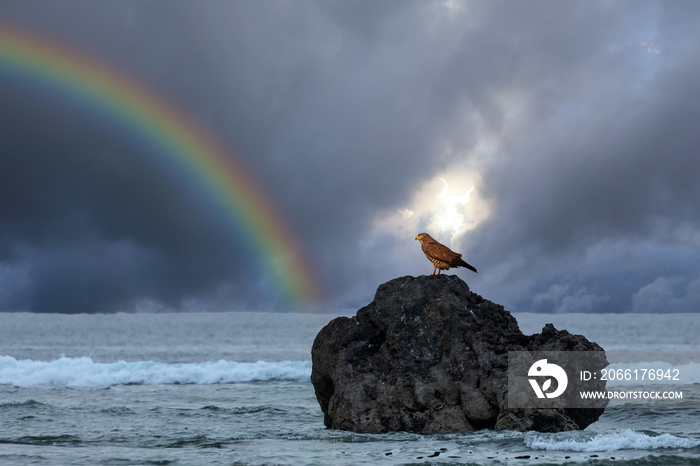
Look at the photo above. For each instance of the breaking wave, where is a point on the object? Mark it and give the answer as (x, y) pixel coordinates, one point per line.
(84, 372)
(625, 440)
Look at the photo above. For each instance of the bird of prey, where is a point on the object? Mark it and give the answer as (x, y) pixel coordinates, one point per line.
(440, 255)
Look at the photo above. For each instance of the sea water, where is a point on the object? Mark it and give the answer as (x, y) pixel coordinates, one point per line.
(233, 388)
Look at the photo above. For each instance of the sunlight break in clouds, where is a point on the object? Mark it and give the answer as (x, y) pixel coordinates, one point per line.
(446, 206)
(450, 218)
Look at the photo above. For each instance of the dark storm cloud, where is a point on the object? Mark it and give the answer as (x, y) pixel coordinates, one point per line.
(341, 110)
(86, 224)
(599, 199)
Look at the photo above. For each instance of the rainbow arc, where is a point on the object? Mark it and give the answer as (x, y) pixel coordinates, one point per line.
(175, 140)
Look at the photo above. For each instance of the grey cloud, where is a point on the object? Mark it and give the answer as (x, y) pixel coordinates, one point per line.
(341, 110)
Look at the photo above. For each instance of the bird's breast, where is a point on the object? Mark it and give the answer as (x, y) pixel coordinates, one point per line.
(438, 263)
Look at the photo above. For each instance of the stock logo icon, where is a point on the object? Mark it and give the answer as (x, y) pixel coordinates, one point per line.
(546, 372)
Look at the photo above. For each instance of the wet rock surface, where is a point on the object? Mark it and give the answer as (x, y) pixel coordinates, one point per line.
(427, 355)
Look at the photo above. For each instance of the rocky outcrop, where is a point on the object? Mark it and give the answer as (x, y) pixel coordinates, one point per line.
(429, 356)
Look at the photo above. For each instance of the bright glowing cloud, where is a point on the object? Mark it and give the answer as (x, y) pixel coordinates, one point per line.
(447, 206)
(450, 215)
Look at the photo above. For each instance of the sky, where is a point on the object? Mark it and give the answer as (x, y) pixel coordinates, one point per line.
(553, 143)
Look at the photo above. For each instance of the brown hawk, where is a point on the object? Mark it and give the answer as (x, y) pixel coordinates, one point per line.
(440, 255)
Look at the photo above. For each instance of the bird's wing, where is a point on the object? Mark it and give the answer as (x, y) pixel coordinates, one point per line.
(441, 252)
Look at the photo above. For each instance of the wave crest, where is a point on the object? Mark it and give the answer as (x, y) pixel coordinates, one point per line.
(625, 440)
(84, 372)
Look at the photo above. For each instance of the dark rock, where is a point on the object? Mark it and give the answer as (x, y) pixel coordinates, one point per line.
(429, 356)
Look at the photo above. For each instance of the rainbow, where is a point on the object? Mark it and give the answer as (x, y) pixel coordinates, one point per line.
(177, 141)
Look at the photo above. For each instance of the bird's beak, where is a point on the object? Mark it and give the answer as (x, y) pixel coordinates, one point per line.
(417, 237)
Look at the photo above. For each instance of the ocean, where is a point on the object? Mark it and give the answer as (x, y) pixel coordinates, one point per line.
(233, 388)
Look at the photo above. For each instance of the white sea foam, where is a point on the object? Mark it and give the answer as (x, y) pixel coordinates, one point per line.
(75, 372)
(625, 440)
(17, 402)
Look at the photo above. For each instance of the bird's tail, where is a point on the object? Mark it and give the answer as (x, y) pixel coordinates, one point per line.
(464, 264)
